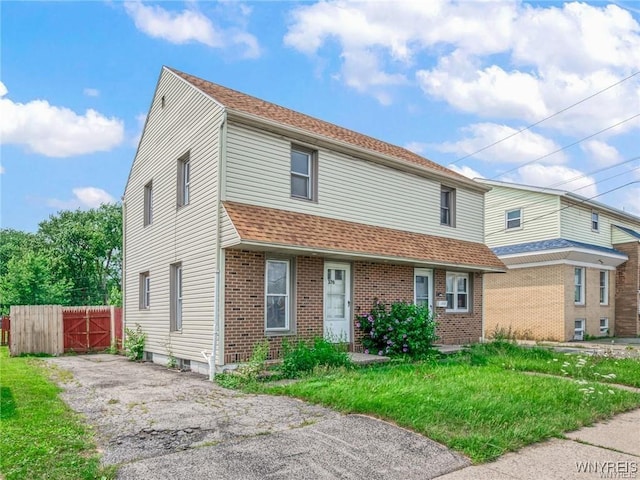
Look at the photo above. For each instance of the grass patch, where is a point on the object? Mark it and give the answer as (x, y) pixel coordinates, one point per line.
(40, 437)
(482, 411)
(597, 368)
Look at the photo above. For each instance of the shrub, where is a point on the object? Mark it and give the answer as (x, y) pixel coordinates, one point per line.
(134, 343)
(403, 329)
(306, 356)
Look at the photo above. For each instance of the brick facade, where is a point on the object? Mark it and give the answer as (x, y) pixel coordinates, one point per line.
(244, 301)
(627, 288)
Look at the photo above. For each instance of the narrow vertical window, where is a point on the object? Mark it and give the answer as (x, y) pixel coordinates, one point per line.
(513, 219)
(184, 179)
(578, 329)
(447, 206)
(423, 287)
(604, 326)
(604, 287)
(148, 204)
(578, 274)
(595, 221)
(176, 296)
(277, 279)
(303, 173)
(457, 292)
(145, 291)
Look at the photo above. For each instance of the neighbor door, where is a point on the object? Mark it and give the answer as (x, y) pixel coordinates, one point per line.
(337, 302)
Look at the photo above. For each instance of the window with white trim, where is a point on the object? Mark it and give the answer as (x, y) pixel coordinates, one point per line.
(145, 291)
(176, 290)
(277, 296)
(578, 296)
(604, 326)
(423, 287)
(604, 287)
(513, 219)
(595, 221)
(447, 206)
(303, 173)
(578, 329)
(184, 179)
(457, 292)
(148, 204)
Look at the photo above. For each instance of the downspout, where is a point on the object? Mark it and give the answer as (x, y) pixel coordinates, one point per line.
(216, 312)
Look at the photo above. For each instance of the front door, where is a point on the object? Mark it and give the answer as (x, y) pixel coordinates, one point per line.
(337, 302)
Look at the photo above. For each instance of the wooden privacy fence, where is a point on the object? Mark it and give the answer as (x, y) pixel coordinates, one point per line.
(5, 329)
(54, 329)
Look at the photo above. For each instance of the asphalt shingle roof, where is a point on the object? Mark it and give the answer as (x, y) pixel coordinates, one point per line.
(280, 227)
(553, 244)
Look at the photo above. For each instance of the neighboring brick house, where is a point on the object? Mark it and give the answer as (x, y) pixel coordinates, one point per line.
(573, 265)
(245, 220)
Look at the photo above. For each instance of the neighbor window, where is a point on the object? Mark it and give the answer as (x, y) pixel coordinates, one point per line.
(184, 178)
(457, 292)
(277, 301)
(595, 221)
(604, 287)
(447, 206)
(578, 329)
(578, 274)
(145, 291)
(513, 219)
(604, 326)
(176, 296)
(303, 173)
(423, 286)
(148, 204)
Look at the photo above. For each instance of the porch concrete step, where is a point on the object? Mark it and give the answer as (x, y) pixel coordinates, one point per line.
(367, 359)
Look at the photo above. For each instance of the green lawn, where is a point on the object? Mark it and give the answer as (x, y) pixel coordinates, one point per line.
(473, 403)
(40, 437)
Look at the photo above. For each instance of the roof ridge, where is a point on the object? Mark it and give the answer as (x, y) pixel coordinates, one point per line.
(246, 103)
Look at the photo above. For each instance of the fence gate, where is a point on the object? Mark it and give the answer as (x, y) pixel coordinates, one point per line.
(86, 328)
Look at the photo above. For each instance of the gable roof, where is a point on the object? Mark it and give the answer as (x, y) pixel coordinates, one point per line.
(262, 226)
(241, 102)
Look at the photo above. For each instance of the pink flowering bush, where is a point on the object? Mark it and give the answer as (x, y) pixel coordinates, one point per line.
(402, 329)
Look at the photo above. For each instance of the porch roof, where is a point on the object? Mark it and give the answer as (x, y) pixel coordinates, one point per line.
(262, 227)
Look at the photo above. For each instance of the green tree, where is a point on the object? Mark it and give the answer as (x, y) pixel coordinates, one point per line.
(12, 244)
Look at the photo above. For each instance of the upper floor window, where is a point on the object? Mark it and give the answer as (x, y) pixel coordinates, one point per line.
(145, 291)
(578, 295)
(184, 179)
(148, 204)
(447, 206)
(277, 280)
(303, 173)
(595, 221)
(513, 219)
(457, 292)
(175, 287)
(604, 287)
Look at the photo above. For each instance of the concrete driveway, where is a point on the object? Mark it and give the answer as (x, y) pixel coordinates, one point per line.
(157, 423)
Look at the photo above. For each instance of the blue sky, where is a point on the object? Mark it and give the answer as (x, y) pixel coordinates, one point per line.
(445, 79)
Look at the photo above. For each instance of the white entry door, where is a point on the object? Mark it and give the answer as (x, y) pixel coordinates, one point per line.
(337, 302)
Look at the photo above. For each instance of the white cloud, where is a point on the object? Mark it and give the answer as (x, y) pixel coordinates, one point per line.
(189, 26)
(466, 171)
(417, 147)
(525, 146)
(2, 170)
(56, 131)
(602, 153)
(84, 197)
(631, 200)
(91, 92)
(556, 176)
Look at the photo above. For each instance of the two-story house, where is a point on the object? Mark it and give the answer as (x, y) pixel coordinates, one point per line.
(245, 220)
(572, 265)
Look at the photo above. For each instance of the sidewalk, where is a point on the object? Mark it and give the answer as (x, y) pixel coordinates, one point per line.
(609, 449)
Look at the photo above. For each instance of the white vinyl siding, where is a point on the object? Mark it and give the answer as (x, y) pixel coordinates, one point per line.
(620, 236)
(258, 173)
(542, 217)
(189, 122)
(577, 224)
(228, 234)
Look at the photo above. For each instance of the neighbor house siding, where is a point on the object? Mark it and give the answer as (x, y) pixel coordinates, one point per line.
(258, 173)
(540, 217)
(628, 291)
(576, 224)
(188, 121)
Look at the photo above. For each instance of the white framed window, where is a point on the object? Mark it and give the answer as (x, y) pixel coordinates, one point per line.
(277, 297)
(595, 221)
(145, 291)
(423, 287)
(148, 204)
(578, 296)
(457, 292)
(513, 219)
(604, 287)
(303, 173)
(604, 326)
(578, 329)
(176, 289)
(447, 206)
(184, 179)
